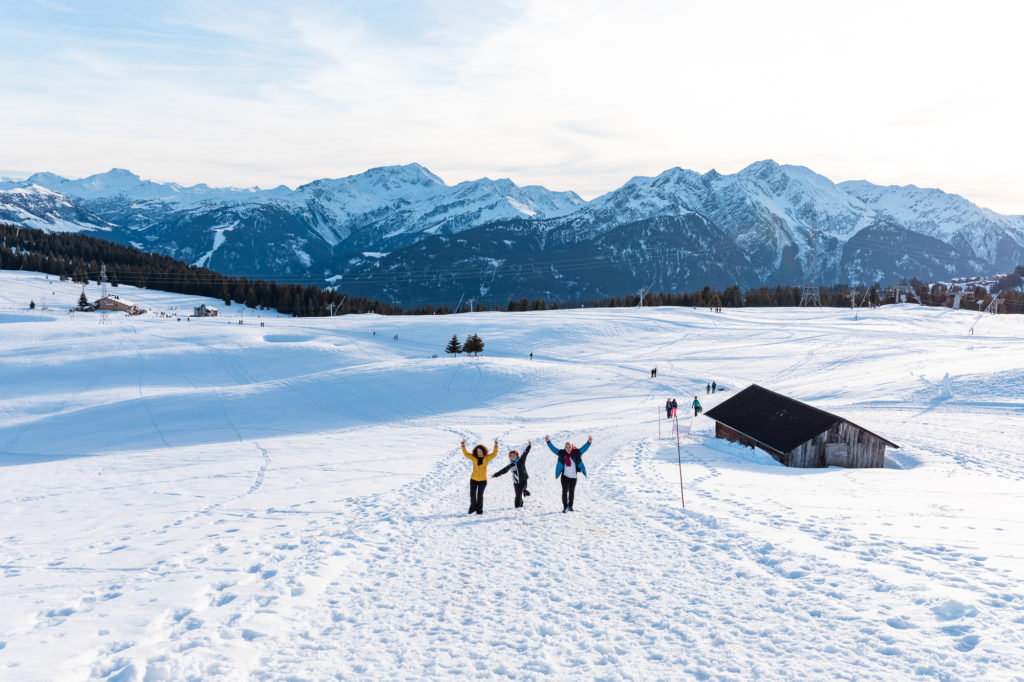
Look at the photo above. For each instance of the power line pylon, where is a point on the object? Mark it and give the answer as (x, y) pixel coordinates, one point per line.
(811, 293)
(103, 294)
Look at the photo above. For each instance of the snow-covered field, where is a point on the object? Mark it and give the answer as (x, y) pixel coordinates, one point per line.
(208, 500)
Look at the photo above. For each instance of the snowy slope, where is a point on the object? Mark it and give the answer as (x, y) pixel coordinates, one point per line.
(948, 217)
(209, 500)
(381, 204)
(43, 209)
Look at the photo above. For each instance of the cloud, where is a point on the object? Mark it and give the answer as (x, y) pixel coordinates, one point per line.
(567, 94)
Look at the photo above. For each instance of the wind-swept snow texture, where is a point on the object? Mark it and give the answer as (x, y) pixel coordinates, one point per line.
(206, 500)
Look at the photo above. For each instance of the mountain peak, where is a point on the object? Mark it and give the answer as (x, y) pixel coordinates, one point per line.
(117, 173)
(44, 179)
(762, 168)
(410, 172)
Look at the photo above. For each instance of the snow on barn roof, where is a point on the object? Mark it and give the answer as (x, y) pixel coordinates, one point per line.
(118, 299)
(776, 421)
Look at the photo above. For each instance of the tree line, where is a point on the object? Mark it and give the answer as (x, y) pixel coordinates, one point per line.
(79, 258)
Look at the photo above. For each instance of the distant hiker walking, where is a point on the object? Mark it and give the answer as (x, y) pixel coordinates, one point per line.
(654, 372)
(531, 355)
(668, 408)
(714, 387)
(517, 465)
(708, 389)
(570, 461)
(697, 409)
(478, 479)
(675, 406)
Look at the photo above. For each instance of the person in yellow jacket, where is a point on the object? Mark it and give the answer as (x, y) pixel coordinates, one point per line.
(478, 479)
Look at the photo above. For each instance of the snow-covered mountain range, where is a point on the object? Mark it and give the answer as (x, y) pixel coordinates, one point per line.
(400, 232)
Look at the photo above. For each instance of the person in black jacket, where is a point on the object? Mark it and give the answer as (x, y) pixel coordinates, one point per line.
(517, 465)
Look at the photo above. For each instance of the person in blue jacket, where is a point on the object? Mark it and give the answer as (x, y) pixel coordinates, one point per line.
(570, 464)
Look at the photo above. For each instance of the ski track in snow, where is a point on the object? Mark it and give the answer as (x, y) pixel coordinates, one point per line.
(205, 500)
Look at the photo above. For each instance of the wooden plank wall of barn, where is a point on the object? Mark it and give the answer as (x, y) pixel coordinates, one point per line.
(864, 449)
(810, 454)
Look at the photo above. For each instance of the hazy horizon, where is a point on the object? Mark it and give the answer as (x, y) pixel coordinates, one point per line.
(571, 96)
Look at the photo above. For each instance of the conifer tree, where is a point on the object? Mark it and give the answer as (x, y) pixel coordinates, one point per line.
(83, 301)
(454, 347)
(474, 344)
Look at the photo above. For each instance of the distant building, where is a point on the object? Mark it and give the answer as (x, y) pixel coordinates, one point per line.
(205, 311)
(117, 303)
(795, 433)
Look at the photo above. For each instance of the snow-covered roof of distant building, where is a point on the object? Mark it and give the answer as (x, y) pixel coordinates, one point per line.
(112, 297)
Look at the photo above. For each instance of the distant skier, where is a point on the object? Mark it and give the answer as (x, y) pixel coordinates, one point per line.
(570, 461)
(697, 409)
(668, 408)
(654, 372)
(517, 465)
(708, 389)
(675, 408)
(478, 479)
(714, 387)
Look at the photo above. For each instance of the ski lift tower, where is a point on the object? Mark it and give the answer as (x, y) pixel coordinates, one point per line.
(811, 293)
(103, 293)
(643, 292)
(904, 292)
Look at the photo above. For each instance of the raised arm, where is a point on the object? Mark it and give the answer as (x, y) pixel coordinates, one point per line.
(465, 451)
(551, 447)
(526, 451)
(586, 446)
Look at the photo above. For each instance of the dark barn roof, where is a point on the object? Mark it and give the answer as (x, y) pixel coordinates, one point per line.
(773, 420)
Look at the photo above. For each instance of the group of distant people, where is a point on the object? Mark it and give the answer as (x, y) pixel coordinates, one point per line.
(672, 407)
(567, 470)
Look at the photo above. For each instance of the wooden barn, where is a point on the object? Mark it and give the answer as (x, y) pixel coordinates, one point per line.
(795, 433)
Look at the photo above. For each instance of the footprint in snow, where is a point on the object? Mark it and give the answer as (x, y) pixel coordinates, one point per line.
(899, 623)
(952, 610)
(224, 599)
(60, 613)
(967, 643)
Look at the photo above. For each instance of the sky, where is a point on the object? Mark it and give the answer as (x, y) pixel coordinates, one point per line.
(572, 95)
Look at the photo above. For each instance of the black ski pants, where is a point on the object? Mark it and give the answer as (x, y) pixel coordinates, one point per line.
(520, 487)
(476, 496)
(568, 491)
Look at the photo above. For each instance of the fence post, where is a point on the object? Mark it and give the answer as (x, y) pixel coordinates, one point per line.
(679, 459)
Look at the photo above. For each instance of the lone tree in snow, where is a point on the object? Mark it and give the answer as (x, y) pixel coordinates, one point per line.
(454, 347)
(83, 302)
(474, 344)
